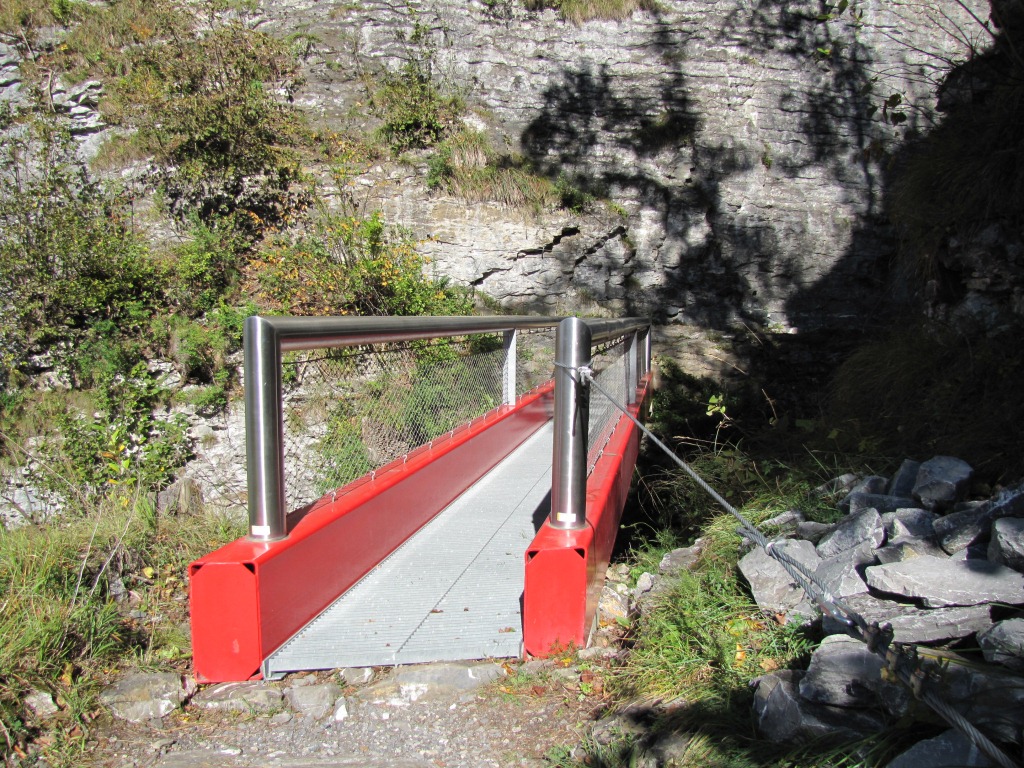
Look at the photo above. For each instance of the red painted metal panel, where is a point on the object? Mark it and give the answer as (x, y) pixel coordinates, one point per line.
(225, 595)
(557, 567)
(565, 569)
(336, 541)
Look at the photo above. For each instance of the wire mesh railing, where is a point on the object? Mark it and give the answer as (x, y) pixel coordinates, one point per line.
(608, 365)
(353, 410)
(344, 396)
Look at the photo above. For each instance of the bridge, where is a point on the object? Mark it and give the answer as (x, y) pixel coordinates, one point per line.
(422, 489)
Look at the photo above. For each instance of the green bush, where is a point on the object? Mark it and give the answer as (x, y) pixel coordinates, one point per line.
(417, 109)
(200, 271)
(70, 266)
(202, 102)
(125, 445)
(353, 265)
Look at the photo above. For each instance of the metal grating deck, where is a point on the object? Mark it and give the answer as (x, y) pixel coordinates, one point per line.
(453, 591)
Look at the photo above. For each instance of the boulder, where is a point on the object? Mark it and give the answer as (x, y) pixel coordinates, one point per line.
(784, 716)
(773, 588)
(145, 696)
(966, 526)
(247, 696)
(941, 481)
(914, 625)
(1007, 543)
(844, 673)
(915, 522)
(902, 482)
(857, 502)
(315, 701)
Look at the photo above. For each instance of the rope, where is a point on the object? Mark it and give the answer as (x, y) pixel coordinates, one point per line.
(901, 663)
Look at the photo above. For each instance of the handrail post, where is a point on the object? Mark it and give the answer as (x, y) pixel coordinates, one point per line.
(572, 411)
(508, 375)
(631, 354)
(264, 431)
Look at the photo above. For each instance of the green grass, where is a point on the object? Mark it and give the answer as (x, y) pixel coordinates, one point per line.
(62, 632)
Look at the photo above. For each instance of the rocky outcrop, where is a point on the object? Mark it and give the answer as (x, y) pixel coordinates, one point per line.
(734, 140)
(926, 578)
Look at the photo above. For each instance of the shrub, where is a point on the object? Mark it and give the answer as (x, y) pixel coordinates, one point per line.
(205, 104)
(69, 264)
(353, 265)
(416, 107)
(200, 271)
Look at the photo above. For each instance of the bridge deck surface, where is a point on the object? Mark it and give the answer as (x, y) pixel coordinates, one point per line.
(453, 591)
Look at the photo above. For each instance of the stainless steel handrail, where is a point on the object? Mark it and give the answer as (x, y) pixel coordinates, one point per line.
(574, 341)
(267, 338)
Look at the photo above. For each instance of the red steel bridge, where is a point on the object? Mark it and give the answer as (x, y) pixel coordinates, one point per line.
(480, 534)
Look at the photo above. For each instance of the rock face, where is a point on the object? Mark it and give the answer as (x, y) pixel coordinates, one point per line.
(737, 154)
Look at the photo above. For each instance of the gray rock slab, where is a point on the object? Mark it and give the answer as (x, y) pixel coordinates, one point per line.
(784, 716)
(911, 624)
(844, 673)
(41, 704)
(146, 696)
(902, 482)
(812, 531)
(1003, 644)
(840, 576)
(991, 698)
(784, 523)
(773, 588)
(315, 701)
(356, 675)
(948, 750)
(251, 696)
(859, 527)
(841, 484)
(938, 582)
(871, 484)
(1007, 543)
(941, 481)
(905, 547)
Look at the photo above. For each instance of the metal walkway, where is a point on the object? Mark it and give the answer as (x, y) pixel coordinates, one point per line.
(453, 591)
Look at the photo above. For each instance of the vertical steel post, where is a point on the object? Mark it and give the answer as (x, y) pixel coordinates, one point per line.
(645, 353)
(264, 432)
(508, 376)
(572, 412)
(631, 352)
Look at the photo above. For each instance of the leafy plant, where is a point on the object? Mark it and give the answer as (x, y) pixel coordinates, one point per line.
(203, 103)
(70, 268)
(353, 265)
(416, 108)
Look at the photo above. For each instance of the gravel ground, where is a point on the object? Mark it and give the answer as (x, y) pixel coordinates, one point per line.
(514, 721)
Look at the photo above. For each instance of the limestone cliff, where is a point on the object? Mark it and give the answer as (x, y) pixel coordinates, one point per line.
(736, 140)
